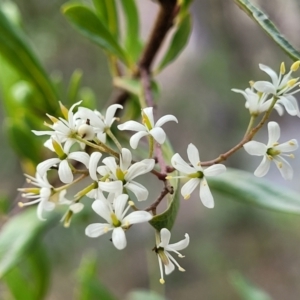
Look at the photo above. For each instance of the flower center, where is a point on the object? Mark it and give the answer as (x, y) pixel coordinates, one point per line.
(146, 121)
(120, 174)
(273, 152)
(115, 220)
(164, 258)
(198, 174)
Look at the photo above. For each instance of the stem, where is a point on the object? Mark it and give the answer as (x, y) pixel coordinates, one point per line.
(66, 186)
(112, 136)
(101, 147)
(248, 137)
(250, 125)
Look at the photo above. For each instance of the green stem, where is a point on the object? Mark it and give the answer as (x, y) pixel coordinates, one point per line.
(151, 146)
(250, 125)
(112, 136)
(66, 186)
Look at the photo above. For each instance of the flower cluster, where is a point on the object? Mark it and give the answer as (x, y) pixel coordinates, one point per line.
(88, 151)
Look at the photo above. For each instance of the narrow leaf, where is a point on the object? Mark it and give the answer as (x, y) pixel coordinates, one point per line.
(15, 50)
(268, 26)
(89, 25)
(133, 44)
(19, 235)
(101, 10)
(246, 188)
(112, 18)
(179, 41)
(74, 86)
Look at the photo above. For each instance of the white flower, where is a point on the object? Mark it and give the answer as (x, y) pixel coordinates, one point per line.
(43, 194)
(257, 103)
(282, 86)
(99, 122)
(114, 187)
(64, 130)
(164, 257)
(125, 172)
(273, 151)
(196, 175)
(147, 128)
(64, 170)
(114, 214)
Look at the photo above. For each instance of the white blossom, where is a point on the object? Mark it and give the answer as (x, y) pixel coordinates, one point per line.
(64, 170)
(257, 103)
(43, 193)
(125, 172)
(99, 123)
(196, 175)
(283, 87)
(117, 221)
(164, 257)
(148, 127)
(273, 151)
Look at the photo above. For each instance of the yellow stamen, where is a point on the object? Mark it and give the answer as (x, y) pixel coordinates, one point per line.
(21, 204)
(282, 68)
(181, 269)
(292, 156)
(291, 143)
(161, 281)
(186, 197)
(292, 82)
(169, 177)
(295, 66)
(280, 165)
(64, 110)
(251, 82)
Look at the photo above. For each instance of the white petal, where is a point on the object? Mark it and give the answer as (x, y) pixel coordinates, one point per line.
(289, 106)
(110, 113)
(134, 140)
(44, 166)
(265, 87)
(169, 268)
(80, 156)
(139, 190)
(64, 172)
(205, 194)
(43, 132)
(110, 162)
(139, 168)
(194, 156)
(76, 207)
(131, 125)
(111, 186)
(274, 133)
(179, 245)
(97, 229)
(165, 236)
(119, 205)
(279, 109)
(263, 167)
(125, 160)
(158, 134)
(165, 119)
(93, 163)
(284, 167)
(214, 170)
(119, 238)
(149, 112)
(270, 72)
(101, 207)
(255, 148)
(179, 164)
(289, 146)
(137, 217)
(189, 187)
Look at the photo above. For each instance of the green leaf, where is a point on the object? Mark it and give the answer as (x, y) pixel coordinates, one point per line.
(145, 295)
(132, 42)
(19, 237)
(268, 26)
(168, 217)
(101, 10)
(74, 86)
(179, 41)
(15, 50)
(246, 188)
(89, 25)
(36, 267)
(112, 18)
(245, 289)
(89, 286)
